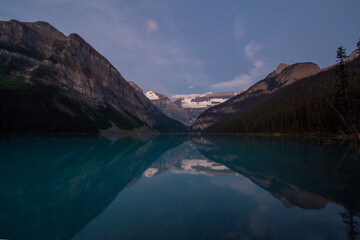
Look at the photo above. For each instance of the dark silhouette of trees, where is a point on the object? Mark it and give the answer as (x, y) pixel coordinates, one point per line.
(346, 101)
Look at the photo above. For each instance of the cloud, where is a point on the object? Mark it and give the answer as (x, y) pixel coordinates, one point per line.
(190, 87)
(239, 28)
(251, 49)
(244, 81)
(240, 82)
(152, 26)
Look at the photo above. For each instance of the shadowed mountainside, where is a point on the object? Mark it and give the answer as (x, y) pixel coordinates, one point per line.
(51, 83)
(284, 75)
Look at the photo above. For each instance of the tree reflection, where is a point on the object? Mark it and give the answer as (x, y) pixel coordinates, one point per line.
(348, 217)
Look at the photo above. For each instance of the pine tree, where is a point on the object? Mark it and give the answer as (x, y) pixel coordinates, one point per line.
(345, 97)
(341, 86)
(340, 72)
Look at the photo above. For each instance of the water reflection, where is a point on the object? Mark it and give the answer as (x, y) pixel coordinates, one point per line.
(51, 188)
(186, 159)
(63, 187)
(300, 173)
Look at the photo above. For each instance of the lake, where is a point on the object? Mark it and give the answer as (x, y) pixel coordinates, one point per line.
(178, 187)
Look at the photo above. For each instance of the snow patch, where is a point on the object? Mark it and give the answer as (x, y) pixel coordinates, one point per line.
(203, 167)
(151, 95)
(191, 165)
(150, 172)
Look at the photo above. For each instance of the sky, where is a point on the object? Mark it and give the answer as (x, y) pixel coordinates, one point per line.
(197, 46)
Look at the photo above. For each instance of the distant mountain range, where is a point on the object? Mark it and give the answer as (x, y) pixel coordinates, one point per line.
(51, 83)
(186, 108)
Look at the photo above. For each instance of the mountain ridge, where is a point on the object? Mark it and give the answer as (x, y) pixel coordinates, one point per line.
(283, 75)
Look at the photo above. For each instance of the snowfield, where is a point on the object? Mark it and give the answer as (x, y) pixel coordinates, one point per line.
(189, 103)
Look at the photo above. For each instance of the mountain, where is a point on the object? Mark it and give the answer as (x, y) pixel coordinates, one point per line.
(299, 99)
(186, 108)
(168, 107)
(52, 83)
(282, 76)
(196, 104)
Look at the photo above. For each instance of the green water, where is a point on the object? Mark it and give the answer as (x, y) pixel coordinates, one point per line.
(178, 187)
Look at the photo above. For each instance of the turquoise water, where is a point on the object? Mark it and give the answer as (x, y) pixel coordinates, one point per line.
(178, 187)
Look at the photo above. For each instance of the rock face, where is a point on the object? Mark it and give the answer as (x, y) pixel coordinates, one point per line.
(284, 75)
(186, 108)
(89, 87)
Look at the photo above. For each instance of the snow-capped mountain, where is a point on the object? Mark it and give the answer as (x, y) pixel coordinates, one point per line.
(205, 100)
(186, 108)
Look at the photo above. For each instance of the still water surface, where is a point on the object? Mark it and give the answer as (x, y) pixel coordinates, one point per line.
(178, 187)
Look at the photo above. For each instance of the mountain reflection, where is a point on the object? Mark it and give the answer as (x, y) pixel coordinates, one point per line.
(186, 159)
(51, 188)
(299, 173)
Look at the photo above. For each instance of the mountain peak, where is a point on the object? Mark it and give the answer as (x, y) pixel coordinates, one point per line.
(278, 70)
(282, 66)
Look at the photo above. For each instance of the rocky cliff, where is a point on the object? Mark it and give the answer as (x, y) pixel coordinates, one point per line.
(67, 86)
(282, 76)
